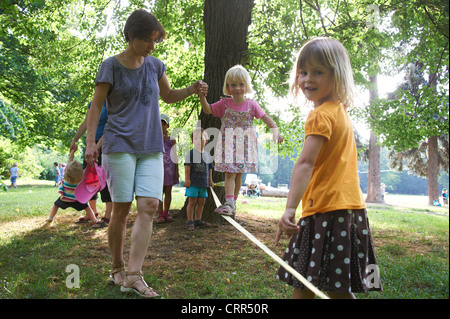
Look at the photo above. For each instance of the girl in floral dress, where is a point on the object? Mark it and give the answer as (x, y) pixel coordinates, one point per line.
(236, 148)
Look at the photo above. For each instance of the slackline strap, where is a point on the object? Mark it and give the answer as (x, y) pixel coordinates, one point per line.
(269, 252)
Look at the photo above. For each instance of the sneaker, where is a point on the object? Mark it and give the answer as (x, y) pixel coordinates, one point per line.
(225, 209)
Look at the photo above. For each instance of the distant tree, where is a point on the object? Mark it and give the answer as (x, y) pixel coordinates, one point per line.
(415, 114)
(420, 109)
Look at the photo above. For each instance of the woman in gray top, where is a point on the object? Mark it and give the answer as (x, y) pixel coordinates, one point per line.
(131, 82)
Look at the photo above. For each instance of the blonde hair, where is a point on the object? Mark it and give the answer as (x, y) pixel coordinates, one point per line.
(73, 173)
(238, 74)
(331, 54)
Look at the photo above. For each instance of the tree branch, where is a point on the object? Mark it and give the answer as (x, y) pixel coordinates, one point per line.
(301, 19)
(321, 18)
(434, 23)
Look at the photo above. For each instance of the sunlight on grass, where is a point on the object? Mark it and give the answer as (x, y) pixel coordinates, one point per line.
(411, 245)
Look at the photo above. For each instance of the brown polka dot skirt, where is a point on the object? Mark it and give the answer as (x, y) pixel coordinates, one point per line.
(334, 251)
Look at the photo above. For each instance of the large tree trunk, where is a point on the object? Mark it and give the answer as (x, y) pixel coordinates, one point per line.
(433, 169)
(374, 178)
(433, 157)
(226, 27)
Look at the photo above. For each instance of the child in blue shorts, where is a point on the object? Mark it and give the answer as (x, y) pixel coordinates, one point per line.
(198, 177)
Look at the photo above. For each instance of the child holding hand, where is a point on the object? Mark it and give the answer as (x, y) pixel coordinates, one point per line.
(331, 245)
(236, 148)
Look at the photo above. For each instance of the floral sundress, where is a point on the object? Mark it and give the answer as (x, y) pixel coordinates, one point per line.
(236, 149)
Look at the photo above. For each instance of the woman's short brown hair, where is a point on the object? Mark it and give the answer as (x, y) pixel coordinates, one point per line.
(141, 24)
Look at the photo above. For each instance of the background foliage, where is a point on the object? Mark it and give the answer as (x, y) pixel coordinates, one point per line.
(50, 52)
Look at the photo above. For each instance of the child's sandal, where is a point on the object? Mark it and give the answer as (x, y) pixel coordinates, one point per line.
(82, 220)
(146, 292)
(168, 217)
(189, 225)
(161, 218)
(199, 223)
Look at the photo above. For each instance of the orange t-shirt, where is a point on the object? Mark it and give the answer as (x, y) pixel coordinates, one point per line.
(334, 183)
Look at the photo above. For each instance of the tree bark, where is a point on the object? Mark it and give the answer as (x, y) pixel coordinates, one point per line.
(433, 169)
(433, 156)
(374, 178)
(226, 28)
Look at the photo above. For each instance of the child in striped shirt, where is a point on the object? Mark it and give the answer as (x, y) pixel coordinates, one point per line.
(72, 177)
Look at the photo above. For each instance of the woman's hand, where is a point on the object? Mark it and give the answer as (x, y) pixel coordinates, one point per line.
(200, 88)
(91, 153)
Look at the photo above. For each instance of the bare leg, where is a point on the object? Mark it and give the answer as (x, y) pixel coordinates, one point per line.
(117, 230)
(237, 184)
(90, 213)
(160, 205)
(167, 197)
(108, 210)
(230, 180)
(93, 205)
(52, 214)
(199, 209)
(142, 232)
(191, 208)
(140, 238)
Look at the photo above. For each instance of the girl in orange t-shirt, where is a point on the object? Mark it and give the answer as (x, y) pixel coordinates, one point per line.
(331, 246)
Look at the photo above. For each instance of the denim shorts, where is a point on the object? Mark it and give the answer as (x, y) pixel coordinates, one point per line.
(195, 191)
(129, 174)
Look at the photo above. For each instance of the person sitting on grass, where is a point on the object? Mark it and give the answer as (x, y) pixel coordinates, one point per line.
(72, 177)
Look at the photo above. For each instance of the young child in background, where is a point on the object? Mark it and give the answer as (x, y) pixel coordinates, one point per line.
(57, 174)
(445, 197)
(73, 176)
(13, 174)
(198, 177)
(171, 173)
(332, 244)
(62, 168)
(236, 149)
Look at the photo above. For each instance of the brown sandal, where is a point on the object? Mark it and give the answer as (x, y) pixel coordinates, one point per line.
(101, 223)
(144, 293)
(117, 268)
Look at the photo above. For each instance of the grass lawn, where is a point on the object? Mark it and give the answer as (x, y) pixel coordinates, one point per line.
(215, 262)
